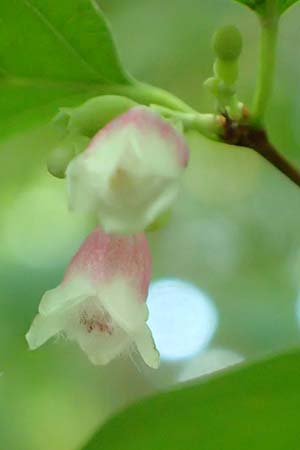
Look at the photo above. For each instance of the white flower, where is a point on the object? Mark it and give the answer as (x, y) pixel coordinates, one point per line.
(130, 172)
(101, 300)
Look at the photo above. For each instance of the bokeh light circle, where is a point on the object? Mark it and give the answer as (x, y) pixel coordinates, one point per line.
(182, 318)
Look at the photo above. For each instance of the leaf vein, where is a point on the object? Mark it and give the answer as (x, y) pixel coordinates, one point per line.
(59, 35)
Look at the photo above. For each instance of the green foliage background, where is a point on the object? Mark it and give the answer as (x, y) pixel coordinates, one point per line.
(235, 232)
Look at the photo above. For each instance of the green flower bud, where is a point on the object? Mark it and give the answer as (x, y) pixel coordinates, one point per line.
(60, 156)
(92, 115)
(227, 43)
(235, 109)
(227, 71)
(212, 84)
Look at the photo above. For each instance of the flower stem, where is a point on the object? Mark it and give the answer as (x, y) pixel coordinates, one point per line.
(210, 125)
(153, 95)
(207, 124)
(267, 59)
(246, 135)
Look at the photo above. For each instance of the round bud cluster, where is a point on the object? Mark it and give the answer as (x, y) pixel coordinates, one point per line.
(227, 45)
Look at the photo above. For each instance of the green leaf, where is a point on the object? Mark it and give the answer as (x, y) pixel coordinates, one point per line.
(52, 53)
(256, 5)
(253, 407)
(285, 4)
(261, 6)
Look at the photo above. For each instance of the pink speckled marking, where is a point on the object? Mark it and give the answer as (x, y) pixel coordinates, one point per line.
(145, 122)
(103, 256)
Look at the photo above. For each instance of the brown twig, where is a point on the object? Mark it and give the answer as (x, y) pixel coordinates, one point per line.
(245, 135)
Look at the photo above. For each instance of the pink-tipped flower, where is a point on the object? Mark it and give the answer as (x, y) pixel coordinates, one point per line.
(130, 172)
(101, 300)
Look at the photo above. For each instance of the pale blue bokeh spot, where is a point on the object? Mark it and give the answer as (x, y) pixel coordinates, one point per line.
(182, 318)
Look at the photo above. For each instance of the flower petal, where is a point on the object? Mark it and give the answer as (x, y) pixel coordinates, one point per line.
(103, 258)
(100, 348)
(66, 295)
(42, 329)
(146, 346)
(122, 302)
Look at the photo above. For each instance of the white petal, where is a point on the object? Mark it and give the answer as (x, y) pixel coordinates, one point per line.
(123, 304)
(65, 296)
(149, 197)
(88, 177)
(148, 186)
(42, 329)
(146, 346)
(167, 196)
(101, 348)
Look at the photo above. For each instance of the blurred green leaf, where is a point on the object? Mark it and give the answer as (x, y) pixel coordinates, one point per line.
(260, 5)
(253, 407)
(285, 4)
(256, 5)
(52, 53)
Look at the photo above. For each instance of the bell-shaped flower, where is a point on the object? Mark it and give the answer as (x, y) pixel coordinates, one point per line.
(130, 172)
(101, 300)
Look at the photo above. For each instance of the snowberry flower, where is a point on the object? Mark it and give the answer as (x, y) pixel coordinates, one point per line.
(130, 172)
(101, 300)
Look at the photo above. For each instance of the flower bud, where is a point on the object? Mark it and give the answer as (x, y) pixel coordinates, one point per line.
(212, 84)
(92, 115)
(60, 156)
(227, 43)
(130, 172)
(226, 71)
(100, 303)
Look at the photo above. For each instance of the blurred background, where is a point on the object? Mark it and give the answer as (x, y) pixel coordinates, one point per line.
(226, 268)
